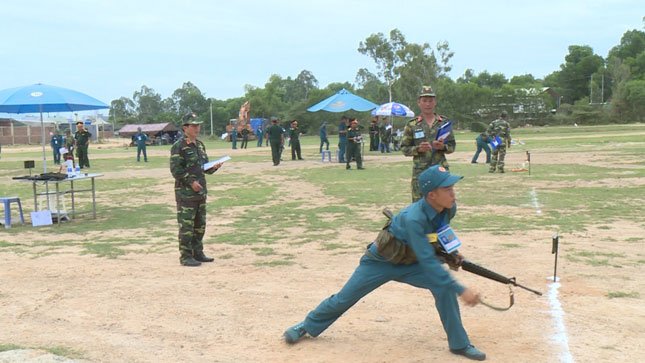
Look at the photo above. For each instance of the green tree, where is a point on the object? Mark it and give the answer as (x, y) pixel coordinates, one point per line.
(121, 108)
(384, 54)
(573, 79)
(189, 98)
(147, 104)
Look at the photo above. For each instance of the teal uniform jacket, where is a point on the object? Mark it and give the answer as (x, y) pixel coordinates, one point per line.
(141, 139)
(412, 225)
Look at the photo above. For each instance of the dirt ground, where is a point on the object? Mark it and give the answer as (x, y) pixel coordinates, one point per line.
(148, 308)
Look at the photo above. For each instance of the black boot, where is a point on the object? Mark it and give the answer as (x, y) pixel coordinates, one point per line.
(201, 257)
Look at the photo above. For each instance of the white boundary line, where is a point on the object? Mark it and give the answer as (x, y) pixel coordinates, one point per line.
(560, 336)
(535, 201)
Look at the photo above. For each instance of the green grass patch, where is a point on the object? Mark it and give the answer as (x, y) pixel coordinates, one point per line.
(621, 294)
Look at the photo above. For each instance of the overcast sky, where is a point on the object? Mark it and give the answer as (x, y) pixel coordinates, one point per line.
(109, 49)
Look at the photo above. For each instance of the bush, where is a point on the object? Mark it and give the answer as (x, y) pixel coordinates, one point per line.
(478, 127)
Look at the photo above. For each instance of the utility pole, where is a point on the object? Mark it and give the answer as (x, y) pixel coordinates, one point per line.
(211, 117)
(602, 89)
(591, 90)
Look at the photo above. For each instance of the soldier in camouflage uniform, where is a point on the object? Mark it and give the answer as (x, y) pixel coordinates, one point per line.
(187, 157)
(82, 137)
(419, 139)
(501, 129)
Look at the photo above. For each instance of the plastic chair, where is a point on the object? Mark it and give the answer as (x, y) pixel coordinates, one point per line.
(7, 210)
(326, 152)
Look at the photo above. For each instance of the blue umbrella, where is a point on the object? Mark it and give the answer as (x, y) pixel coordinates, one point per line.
(39, 98)
(343, 101)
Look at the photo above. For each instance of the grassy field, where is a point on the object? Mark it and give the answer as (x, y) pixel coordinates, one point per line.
(586, 184)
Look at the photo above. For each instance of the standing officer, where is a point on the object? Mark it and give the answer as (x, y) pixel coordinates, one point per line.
(82, 137)
(323, 136)
(141, 139)
(386, 136)
(259, 133)
(56, 143)
(295, 141)
(354, 141)
(499, 128)
(234, 136)
(276, 136)
(245, 137)
(374, 135)
(418, 266)
(342, 139)
(419, 139)
(187, 157)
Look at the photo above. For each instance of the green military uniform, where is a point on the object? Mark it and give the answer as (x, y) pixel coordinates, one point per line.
(354, 147)
(275, 138)
(186, 165)
(82, 141)
(245, 137)
(295, 143)
(374, 137)
(501, 129)
(417, 131)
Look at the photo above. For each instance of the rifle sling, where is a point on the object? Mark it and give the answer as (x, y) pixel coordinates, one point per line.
(511, 297)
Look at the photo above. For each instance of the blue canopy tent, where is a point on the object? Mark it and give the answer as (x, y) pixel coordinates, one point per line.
(39, 98)
(343, 101)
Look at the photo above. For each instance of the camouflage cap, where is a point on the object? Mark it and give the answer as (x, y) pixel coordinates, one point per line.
(427, 91)
(435, 177)
(503, 114)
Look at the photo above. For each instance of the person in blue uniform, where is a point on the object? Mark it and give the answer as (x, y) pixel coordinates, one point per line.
(56, 143)
(420, 268)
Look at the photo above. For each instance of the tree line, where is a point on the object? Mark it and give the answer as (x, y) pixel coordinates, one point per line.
(586, 89)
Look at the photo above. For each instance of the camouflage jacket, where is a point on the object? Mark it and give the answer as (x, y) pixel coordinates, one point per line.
(186, 165)
(500, 128)
(415, 132)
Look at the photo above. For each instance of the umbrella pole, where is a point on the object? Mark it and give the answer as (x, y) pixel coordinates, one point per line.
(42, 134)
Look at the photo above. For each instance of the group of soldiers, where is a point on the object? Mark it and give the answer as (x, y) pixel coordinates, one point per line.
(410, 257)
(79, 142)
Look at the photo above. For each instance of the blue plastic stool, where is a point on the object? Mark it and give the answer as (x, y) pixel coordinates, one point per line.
(328, 155)
(7, 210)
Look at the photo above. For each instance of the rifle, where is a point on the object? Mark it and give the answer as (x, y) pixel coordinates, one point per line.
(455, 262)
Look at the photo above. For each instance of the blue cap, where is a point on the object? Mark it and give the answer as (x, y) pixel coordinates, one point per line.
(435, 177)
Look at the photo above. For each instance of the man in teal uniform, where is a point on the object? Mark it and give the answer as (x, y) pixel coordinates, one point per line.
(502, 129)
(259, 133)
(56, 143)
(275, 136)
(82, 137)
(295, 141)
(187, 158)
(141, 139)
(342, 139)
(421, 268)
(323, 136)
(482, 144)
(419, 139)
(354, 141)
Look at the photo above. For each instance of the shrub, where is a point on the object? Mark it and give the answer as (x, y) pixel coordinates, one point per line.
(478, 127)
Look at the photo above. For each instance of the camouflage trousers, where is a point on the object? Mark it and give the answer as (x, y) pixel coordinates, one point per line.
(192, 225)
(417, 169)
(497, 159)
